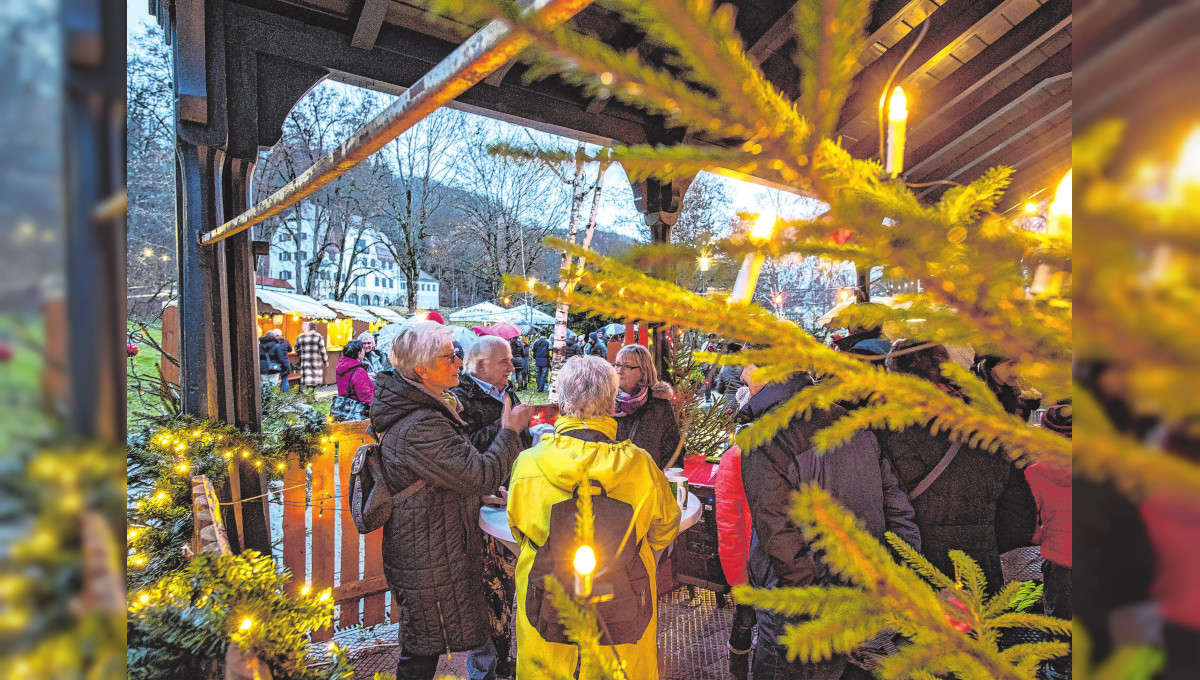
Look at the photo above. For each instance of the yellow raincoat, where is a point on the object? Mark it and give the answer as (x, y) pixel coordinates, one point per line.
(545, 475)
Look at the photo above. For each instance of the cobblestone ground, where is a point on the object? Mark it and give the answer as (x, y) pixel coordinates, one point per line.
(692, 632)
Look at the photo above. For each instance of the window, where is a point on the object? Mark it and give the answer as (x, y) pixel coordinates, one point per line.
(303, 255)
(285, 256)
(285, 275)
(376, 300)
(353, 299)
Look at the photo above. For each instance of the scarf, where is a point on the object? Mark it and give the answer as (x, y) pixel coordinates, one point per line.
(628, 403)
(605, 426)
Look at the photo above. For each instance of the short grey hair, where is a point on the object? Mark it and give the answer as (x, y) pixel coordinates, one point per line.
(366, 334)
(417, 346)
(482, 350)
(275, 332)
(587, 388)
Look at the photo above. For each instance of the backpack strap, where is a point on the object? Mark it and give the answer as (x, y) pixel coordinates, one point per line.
(936, 471)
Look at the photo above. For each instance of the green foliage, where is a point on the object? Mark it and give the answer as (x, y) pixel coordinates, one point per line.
(182, 624)
(949, 623)
(705, 432)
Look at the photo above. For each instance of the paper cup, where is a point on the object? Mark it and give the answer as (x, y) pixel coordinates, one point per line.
(679, 487)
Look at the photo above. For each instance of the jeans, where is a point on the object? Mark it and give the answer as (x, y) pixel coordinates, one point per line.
(543, 377)
(283, 383)
(771, 663)
(482, 661)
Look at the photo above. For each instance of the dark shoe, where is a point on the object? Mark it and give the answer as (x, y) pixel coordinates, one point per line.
(739, 663)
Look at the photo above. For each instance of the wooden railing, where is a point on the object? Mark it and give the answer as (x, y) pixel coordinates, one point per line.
(361, 595)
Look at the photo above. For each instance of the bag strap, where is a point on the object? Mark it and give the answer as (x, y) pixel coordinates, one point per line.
(408, 490)
(936, 471)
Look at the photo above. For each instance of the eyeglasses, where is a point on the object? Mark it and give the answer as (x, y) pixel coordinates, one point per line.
(448, 357)
(627, 367)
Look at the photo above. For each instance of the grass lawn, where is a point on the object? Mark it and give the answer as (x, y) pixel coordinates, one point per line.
(142, 402)
(24, 422)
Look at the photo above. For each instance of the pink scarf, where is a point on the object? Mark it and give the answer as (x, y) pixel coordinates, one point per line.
(628, 403)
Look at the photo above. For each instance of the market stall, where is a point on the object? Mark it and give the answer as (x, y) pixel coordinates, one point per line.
(352, 321)
(288, 312)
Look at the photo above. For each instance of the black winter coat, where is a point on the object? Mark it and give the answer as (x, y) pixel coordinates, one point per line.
(980, 504)
(432, 545)
(541, 352)
(481, 413)
(656, 430)
(856, 474)
(271, 348)
(729, 381)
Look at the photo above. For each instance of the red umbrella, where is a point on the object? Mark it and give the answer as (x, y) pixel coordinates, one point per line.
(484, 330)
(506, 330)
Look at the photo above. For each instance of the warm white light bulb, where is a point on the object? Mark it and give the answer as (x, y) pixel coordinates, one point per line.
(1187, 169)
(585, 560)
(898, 105)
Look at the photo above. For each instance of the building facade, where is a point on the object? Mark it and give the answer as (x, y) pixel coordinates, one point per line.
(362, 255)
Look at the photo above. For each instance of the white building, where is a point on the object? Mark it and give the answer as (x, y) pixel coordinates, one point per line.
(377, 278)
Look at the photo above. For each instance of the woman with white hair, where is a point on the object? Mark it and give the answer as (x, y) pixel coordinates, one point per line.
(644, 412)
(625, 481)
(432, 545)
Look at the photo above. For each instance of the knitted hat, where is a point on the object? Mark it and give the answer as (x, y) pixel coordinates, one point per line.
(435, 316)
(1057, 418)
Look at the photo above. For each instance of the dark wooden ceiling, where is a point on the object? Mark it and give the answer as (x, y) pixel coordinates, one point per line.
(989, 85)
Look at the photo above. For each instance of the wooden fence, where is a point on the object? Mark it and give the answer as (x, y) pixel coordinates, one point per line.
(361, 594)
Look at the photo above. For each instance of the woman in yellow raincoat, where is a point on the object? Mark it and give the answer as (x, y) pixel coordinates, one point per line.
(549, 472)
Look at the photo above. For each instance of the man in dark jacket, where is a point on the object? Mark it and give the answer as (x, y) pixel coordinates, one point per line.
(541, 358)
(855, 474)
(980, 503)
(432, 545)
(482, 393)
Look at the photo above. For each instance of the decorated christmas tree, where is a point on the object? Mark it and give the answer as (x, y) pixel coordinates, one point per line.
(999, 286)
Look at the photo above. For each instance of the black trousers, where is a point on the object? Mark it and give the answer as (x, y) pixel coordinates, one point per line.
(416, 667)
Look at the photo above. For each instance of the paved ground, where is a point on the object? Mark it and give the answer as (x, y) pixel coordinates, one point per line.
(692, 633)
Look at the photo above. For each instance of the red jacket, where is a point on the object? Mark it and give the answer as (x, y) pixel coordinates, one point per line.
(733, 518)
(352, 371)
(1051, 489)
(1173, 526)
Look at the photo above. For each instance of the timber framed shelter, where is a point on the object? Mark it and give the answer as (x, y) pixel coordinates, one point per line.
(991, 82)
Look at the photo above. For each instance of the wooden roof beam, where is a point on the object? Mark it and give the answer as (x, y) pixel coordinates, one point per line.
(370, 20)
(776, 36)
(964, 89)
(468, 64)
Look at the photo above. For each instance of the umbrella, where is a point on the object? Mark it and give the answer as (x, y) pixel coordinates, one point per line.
(506, 330)
(485, 330)
(464, 337)
(613, 329)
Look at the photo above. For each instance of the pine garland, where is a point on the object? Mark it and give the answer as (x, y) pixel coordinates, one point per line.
(182, 624)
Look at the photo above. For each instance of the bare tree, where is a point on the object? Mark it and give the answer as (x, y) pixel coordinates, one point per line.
(327, 227)
(512, 205)
(151, 271)
(412, 171)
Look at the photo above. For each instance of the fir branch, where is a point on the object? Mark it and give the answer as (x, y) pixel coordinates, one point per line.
(830, 34)
(919, 563)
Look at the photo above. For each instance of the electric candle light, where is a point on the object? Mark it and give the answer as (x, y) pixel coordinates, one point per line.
(897, 119)
(585, 564)
(1186, 178)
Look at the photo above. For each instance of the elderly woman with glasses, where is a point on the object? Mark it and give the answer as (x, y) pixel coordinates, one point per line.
(585, 448)
(644, 411)
(432, 545)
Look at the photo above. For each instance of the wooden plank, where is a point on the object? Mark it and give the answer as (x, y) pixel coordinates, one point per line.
(323, 526)
(373, 605)
(295, 526)
(351, 552)
(369, 23)
(354, 592)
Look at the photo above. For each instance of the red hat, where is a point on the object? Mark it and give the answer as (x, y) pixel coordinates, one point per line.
(435, 316)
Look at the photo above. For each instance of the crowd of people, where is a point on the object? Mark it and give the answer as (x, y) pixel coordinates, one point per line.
(453, 424)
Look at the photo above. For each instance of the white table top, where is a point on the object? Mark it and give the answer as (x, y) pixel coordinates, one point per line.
(494, 521)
